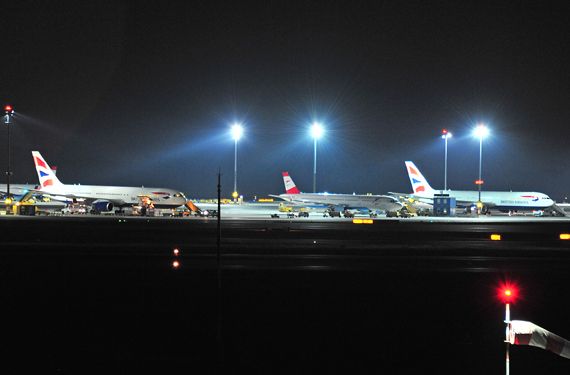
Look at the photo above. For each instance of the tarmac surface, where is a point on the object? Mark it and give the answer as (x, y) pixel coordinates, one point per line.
(307, 295)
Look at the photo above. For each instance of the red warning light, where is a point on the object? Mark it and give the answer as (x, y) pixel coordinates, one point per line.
(508, 293)
(444, 131)
(175, 264)
(175, 251)
(479, 182)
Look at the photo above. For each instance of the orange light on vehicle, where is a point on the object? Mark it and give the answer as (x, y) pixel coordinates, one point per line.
(362, 221)
(565, 236)
(496, 237)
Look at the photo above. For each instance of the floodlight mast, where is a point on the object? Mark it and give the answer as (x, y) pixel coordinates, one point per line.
(236, 131)
(317, 131)
(8, 200)
(445, 135)
(481, 131)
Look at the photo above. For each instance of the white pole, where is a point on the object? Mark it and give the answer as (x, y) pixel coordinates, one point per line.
(508, 334)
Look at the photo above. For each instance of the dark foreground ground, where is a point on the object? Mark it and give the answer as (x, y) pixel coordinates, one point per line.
(85, 295)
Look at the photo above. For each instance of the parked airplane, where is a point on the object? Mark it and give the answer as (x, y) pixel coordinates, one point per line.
(504, 201)
(102, 198)
(372, 203)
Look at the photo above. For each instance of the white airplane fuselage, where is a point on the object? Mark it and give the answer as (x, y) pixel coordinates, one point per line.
(501, 200)
(120, 196)
(367, 202)
(102, 198)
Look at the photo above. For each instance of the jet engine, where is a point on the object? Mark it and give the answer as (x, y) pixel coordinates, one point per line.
(103, 206)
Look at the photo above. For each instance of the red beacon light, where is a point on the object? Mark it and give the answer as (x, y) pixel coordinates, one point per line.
(508, 293)
(8, 108)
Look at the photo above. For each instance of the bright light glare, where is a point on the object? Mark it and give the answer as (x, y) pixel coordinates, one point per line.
(481, 131)
(362, 221)
(508, 292)
(236, 131)
(317, 130)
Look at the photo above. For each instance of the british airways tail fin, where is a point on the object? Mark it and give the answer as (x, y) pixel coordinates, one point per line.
(290, 187)
(45, 173)
(420, 185)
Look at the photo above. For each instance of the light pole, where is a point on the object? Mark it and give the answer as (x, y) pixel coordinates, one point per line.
(8, 200)
(317, 131)
(445, 136)
(481, 131)
(508, 295)
(236, 131)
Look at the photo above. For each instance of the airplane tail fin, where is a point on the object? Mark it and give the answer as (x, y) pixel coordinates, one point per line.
(45, 174)
(420, 185)
(290, 187)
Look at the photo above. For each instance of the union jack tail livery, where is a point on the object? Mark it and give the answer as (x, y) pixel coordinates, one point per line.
(420, 185)
(290, 187)
(45, 173)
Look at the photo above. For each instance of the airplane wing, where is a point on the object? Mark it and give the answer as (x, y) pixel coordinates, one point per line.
(302, 203)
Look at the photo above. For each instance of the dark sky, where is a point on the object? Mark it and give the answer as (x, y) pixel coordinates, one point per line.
(145, 94)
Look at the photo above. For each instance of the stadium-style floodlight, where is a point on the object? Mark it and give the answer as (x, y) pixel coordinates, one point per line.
(236, 132)
(445, 135)
(8, 200)
(316, 131)
(480, 132)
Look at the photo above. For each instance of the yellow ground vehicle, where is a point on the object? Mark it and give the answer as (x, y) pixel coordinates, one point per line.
(283, 208)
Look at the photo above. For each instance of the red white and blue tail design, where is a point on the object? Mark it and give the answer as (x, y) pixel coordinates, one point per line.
(45, 173)
(420, 185)
(290, 187)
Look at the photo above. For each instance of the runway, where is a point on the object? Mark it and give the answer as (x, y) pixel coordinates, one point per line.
(304, 295)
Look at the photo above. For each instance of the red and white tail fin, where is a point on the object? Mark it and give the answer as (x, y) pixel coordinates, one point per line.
(45, 173)
(420, 185)
(290, 187)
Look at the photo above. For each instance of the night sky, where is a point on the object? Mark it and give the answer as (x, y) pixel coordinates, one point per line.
(146, 94)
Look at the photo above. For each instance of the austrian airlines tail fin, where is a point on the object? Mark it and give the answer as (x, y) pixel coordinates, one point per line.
(420, 185)
(290, 187)
(45, 173)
